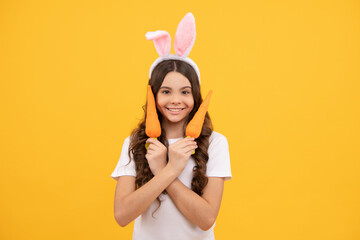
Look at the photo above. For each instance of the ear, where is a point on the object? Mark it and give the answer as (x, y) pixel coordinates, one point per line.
(162, 41)
(185, 35)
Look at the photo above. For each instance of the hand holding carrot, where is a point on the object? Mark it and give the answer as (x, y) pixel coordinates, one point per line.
(156, 155)
(180, 152)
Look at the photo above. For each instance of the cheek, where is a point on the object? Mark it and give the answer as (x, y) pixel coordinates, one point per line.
(190, 103)
(160, 102)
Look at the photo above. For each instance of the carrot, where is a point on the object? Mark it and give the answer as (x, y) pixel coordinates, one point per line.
(152, 123)
(194, 127)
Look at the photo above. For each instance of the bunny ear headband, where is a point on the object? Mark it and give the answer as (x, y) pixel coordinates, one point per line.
(184, 41)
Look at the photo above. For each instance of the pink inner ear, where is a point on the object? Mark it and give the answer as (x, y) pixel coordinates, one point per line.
(162, 45)
(185, 35)
(162, 41)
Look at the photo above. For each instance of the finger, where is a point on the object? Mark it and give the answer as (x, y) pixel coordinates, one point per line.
(152, 150)
(150, 140)
(154, 141)
(149, 151)
(153, 147)
(190, 148)
(190, 151)
(148, 143)
(190, 143)
(184, 142)
(188, 139)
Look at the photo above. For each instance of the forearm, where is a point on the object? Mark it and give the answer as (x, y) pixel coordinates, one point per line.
(195, 208)
(132, 205)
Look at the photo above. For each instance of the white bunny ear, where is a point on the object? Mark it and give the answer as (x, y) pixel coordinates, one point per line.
(185, 35)
(162, 41)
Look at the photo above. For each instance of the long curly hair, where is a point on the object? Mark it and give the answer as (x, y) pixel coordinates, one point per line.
(138, 135)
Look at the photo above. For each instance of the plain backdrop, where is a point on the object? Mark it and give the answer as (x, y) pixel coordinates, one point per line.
(285, 80)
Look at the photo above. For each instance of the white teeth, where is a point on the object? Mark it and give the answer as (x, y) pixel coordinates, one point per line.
(174, 110)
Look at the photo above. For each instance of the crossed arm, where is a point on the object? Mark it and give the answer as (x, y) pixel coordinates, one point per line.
(200, 210)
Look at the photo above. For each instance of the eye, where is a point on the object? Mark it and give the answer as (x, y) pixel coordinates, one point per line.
(185, 92)
(165, 92)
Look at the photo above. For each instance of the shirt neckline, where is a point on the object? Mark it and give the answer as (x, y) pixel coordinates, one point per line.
(172, 140)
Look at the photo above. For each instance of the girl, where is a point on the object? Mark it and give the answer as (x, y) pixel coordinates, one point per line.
(170, 191)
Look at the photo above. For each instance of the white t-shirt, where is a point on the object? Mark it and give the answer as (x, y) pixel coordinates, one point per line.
(168, 222)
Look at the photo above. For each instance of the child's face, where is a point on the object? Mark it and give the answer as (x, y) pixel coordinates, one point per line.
(174, 98)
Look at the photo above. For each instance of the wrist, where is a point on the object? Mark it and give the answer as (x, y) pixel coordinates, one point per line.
(172, 170)
(172, 185)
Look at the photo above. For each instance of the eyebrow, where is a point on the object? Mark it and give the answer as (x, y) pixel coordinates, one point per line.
(171, 88)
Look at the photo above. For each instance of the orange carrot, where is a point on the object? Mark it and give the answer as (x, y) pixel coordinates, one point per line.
(194, 127)
(152, 127)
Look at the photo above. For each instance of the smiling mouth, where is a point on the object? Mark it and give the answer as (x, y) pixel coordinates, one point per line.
(175, 110)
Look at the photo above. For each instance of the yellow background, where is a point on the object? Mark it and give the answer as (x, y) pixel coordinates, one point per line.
(285, 76)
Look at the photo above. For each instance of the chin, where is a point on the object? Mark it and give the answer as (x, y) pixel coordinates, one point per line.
(175, 120)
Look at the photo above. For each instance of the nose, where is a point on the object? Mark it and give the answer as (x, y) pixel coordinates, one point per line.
(175, 99)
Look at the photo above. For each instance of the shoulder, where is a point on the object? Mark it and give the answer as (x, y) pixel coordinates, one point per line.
(216, 137)
(127, 139)
(217, 141)
(126, 143)
(218, 164)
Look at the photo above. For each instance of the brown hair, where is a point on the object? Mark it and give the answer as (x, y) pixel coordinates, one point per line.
(138, 136)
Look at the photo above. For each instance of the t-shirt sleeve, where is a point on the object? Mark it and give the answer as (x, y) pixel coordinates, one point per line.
(124, 167)
(219, 157)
